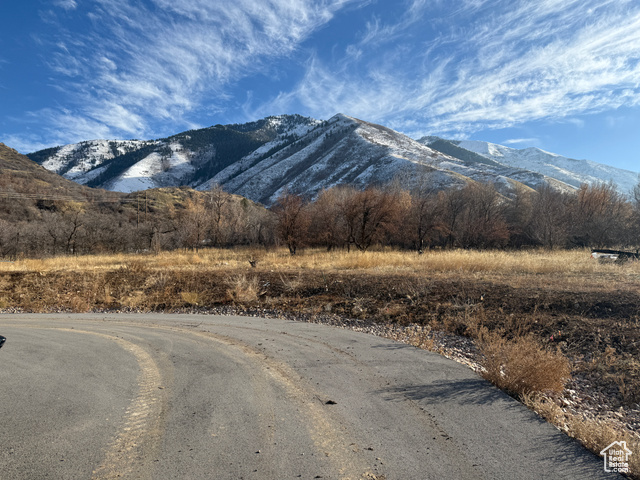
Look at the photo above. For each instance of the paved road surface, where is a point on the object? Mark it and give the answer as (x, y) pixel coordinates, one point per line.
(206, 397)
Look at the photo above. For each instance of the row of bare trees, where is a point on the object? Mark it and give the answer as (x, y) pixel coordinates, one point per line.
(474, 216)
(214, 218)
(219, 219)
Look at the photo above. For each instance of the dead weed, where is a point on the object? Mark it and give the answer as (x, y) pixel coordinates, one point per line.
(522, 366)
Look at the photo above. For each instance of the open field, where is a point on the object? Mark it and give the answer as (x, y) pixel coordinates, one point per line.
(564, 310)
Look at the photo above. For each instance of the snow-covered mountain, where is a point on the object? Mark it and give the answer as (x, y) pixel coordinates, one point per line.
(341, 150)
(75, 161)
(569, 170)
(555, 168)
(188, 158)
(260, 160)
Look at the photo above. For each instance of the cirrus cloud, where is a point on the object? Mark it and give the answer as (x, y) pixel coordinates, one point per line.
(142, 63)
(491, 64)
(124, 69)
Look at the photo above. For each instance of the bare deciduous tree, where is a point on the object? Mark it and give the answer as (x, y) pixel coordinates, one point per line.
(327, 226)
(519, 213)
(424, 218)
(550, 218)
(601, 216)
(221, 217)
(292, 221)
(483, 224)
(195, 222)
(369, 214)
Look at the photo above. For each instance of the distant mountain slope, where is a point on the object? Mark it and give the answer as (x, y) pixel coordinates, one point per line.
(339, 151)
(568, 170)
(21, 175)
(74, 161)
(451, 148)
(27, 189)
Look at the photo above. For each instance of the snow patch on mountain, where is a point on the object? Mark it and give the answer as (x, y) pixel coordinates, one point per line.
(568, 170)
(156, 170)
(74, 161)
(138, 177)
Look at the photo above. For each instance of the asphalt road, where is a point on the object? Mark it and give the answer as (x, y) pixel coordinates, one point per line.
(207, 397)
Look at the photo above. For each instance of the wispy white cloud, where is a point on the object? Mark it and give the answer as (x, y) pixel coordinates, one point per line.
(143, 62)
(26, 142)
(492, 64)
(66, 4)
(426, 67)
(520, 141)
(49, 127)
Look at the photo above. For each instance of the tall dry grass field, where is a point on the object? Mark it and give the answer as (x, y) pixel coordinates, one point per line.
(567, 263)
(561, 270)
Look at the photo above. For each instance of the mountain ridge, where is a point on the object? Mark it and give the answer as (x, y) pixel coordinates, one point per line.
(569, 170)
(262, 159)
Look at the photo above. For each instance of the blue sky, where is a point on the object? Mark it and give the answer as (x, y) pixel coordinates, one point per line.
(561, 75)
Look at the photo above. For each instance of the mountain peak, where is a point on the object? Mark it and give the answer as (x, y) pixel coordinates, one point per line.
(568, 170)
(341, 117)
(262, 158)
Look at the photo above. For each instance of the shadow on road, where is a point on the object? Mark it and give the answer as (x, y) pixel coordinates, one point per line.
(535, 445)
(469, 391)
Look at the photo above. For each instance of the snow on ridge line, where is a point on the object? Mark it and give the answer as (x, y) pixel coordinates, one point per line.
(368, 142)
(569, 170)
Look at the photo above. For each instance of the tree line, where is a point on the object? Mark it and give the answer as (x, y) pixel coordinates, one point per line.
(165, 219)
(475, 216)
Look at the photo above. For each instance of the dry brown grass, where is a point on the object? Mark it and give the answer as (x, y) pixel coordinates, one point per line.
(291, 284)
(564, 270)
(522, 366)
(535, 262)
(243, 289)
(190, 298)
(557, 271)
(607, 365)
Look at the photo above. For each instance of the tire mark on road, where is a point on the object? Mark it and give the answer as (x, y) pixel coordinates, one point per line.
(133, 450)
(334, 442)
